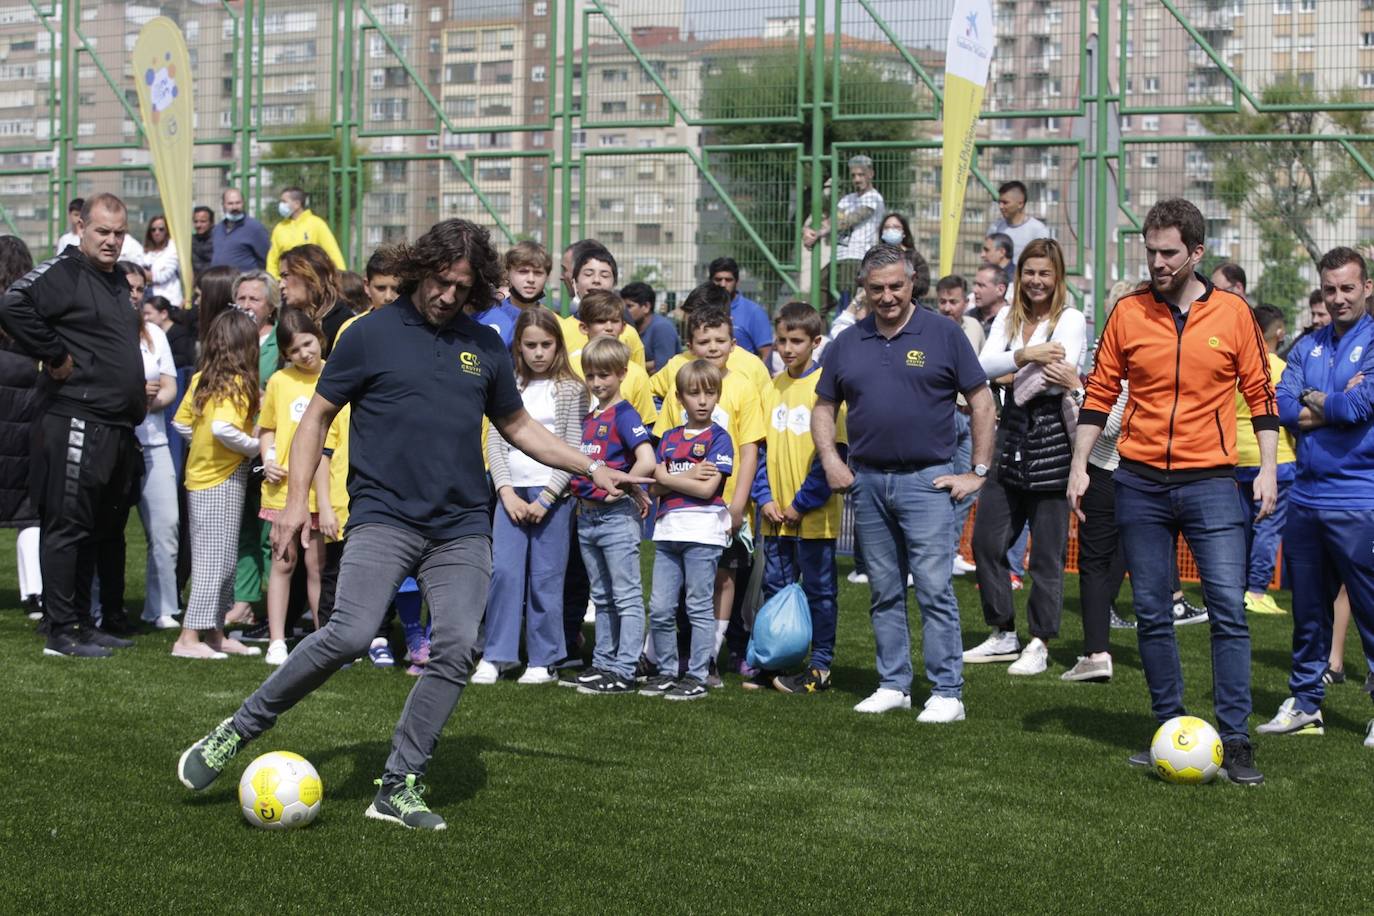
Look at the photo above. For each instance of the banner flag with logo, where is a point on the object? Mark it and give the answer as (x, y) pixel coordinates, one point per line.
(968, 52)
(162, 74)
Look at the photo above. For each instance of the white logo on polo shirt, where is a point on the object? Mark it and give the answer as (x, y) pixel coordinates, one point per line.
(799, 420)
(779, 418)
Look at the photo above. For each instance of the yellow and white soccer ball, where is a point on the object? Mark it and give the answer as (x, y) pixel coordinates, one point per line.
(1186, 750)
(280, 791)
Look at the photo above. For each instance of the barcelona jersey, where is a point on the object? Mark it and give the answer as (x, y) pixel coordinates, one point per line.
(610, 436)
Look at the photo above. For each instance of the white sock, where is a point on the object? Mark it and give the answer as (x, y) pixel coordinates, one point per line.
(649, 651)
(720, 634)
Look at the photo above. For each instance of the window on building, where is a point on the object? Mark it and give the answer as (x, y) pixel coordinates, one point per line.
(1283, 7)
(462, 106)
(614, 106)
(493, 169)
(498, 72)
(648, 233)
(1367, 79)
(1151, 84)
(497, 105)
(540, 9)
(540, 40)
(462, 42)
(538, 73)
(1307, 6)
(461, 74)
(1149, 160)
(1367, 39)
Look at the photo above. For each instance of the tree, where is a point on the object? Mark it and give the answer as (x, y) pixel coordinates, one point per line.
(314, 177)
(1282, 284)
(763, 184)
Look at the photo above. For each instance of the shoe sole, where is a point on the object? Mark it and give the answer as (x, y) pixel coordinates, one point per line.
(878, 712)
(685, 699)
(53, 653)
(1188, 621)
(376, 815)
(1086, 678)
(653, 693)
(1248, 782)
(983, 659)
(1318, 728)
(1015, 673)
(958, 718)
(539, 683)
(593, 692)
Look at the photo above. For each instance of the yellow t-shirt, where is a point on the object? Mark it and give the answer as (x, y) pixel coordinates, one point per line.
(634, 389)
(336, 441)
(209, 464)
(740, 362)
(787, 406)
(1247, 446)
(289, 392)
(739, 412)
(575, 340)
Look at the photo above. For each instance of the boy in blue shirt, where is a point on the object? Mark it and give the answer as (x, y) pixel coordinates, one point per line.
(691, 530)
(608, 531)
(527, 265)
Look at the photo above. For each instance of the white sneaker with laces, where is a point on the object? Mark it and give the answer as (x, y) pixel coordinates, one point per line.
(962, 566)
(276, 653)
(939, 710)
(1001, 646)
(1035, 658)
(857, 578)
(485, 673)
(1293, 721)
(884, 699)
(536, 675)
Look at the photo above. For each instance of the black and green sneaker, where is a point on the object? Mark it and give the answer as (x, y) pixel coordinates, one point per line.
(404, 804)
(812, 681)
(203, 761)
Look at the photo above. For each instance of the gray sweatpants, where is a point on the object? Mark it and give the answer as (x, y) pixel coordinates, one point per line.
(453, 577)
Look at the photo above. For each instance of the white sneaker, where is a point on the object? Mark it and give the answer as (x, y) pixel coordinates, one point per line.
(1369, 734)
(590, 615)
(962, 566)
(857, 577)
(165, 623)
(884, 699)
(536, 675)
(276, 652)
(1035, 658)
(1293, 721)
(941, 709)
(485, 673)
(1001, 646)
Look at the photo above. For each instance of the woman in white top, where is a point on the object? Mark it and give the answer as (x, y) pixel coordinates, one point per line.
(157, 505)
(160, 257)
(1034, 347)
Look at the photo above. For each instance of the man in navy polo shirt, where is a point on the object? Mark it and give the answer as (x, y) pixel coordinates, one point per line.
(238, 240)
(753, 330)
(900, 372)
(420, 375)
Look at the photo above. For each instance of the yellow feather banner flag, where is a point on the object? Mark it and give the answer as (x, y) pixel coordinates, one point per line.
(162, 73)
(968, 52)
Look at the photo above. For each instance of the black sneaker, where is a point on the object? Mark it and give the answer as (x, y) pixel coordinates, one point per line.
(1185, 612)
(258, 632)
(71, 645)
(813, 681)
(1238, 763)
(202, 762)
(103, 639)
(686, 689)
(657, 686)
(117, 624)
(608, 684)
(404, 804)
(645, 669)
(713, 676)
(1140, 759)
(33, 607)
(584, 678)
(1117, 622)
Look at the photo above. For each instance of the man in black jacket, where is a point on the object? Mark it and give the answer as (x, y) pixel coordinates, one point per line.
(73, 313)
(202, 243)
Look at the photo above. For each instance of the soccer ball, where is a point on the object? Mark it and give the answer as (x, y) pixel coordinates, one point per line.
(279, 791)
(1186, 750)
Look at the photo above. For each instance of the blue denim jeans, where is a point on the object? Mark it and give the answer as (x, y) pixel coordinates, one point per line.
(1209, 515)
(1264, 535)
(904, 522)
(528, 563)
(677, 563)
(609, 540)
(810, 561)
(963, 463)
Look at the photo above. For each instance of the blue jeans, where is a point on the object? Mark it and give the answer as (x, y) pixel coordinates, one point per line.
(609, 540)
(812, 561)
(528, 563)
(963, 463)
(1208, 513)
(904, 522)
(1016, 557)
(677, 563)
(1325, 549)
(1265, 534)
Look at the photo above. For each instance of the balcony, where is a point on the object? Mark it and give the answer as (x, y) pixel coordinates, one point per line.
(1213, 20)
(1199, 59)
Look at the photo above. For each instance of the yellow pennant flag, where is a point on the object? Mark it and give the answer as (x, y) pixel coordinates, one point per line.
(162, 73)
(968, 52)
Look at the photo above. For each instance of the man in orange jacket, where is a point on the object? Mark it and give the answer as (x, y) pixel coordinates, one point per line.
(1185, 347)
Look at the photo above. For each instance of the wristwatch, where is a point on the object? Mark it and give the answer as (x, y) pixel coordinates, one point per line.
(595, 466)
(980, 470)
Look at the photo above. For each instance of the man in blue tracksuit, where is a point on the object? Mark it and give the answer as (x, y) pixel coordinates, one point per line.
(1326, 398)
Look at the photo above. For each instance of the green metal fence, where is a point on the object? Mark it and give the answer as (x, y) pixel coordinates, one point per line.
(679, 130)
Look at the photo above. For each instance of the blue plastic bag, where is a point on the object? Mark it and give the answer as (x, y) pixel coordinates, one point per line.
(782, 631)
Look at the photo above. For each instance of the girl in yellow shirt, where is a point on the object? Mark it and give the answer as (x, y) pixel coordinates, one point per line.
(289, 390)
(217, 417)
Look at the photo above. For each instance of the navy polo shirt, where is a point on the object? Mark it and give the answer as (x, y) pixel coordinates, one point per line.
(415, 441)
(901, 391)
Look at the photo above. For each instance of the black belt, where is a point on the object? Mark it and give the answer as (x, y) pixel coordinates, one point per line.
(897, 468)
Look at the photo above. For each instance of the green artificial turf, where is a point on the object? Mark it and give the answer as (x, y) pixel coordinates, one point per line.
(745, 802)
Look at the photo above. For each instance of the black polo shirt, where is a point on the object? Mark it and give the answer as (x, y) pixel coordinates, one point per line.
(415, 440)
(901, 391)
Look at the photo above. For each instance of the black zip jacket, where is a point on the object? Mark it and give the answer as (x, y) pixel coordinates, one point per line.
(69, 306)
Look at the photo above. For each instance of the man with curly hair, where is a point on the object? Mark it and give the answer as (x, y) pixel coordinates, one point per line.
(420, 375)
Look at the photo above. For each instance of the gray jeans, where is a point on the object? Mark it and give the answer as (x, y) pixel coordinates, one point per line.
(453, 577)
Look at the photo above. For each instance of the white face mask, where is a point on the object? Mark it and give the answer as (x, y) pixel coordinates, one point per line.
(892, 236)
(284, 209)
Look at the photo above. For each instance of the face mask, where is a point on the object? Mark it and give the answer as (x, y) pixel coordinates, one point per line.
(234, 217)
(284, 209)
(892, 236)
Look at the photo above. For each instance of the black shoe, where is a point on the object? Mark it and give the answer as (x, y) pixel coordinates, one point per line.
(687, 689)
(1332, 676)
(1238, 763)
(33, 607)
(584, 678)
(69, 644)
(760, 680)
(645, 669)
(1140, 759)
(656, 686)
(1369, 683)
(257, 632)
(607, 685)
(713, 676)
(1117, 622)
(104, 640)
(1185, 612)
(812, 681)
(117, 624)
